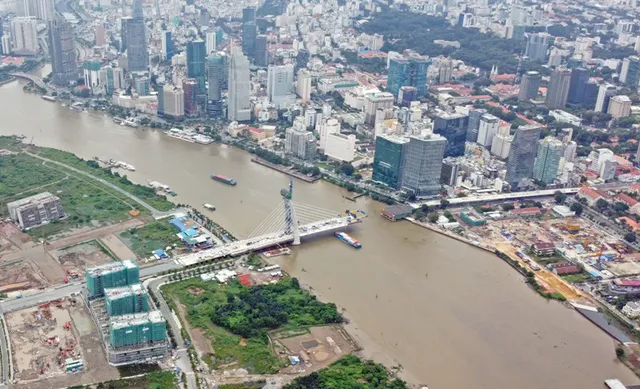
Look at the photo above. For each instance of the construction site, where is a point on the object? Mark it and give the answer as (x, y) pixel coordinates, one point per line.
(20, 274)
(75, 260)
(44, 340)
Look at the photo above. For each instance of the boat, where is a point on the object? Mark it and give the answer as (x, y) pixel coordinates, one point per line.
(223, 179)
(160, 186)
(348, 240)
(277, 252)
(209, 207)
(202, 139)
(48, 98)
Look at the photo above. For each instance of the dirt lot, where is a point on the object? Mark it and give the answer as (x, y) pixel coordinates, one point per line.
(316, 349)
(20, 274)
(13, 234)
(30, 352)
(118, 247)
(80, 257)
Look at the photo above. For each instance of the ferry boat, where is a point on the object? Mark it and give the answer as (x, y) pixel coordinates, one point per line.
(277, 252)
(223, 179)
(209, 207)
(348, 240)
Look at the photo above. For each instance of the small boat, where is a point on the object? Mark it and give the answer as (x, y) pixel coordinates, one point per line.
(209, 207)
(277, 252)
(223, 179)
(348, 240)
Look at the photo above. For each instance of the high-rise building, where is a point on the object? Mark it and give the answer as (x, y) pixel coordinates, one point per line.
(537, 46)
(196, 57)
(638, 155)
(280, 85)
(124, 33)
(125, 300)
(190, 88)
(111, 275)
(522, 154)
(545, 168)
(172, 102)
(216, 70)
(619, 107)
(474, 123)
(406, 95)
(25, 35)
(166, 45)
(558, 90)
(487, 129)
(529, 86)
(249, 31)
(422, 165)
(62, 49)
(118, 79)
(211, 43)
(142, 85)
(375, 101)
(303, 86)
(239, 105)
(449, 173)
(341, 147)
(453, 127)
(262, 51)
(388, 158)
(302, 58)
(5, 43)
(40, 9)
(300, 143)
(326, 128)
(630, 74)
(570, 151)
(605, 92)
(99, 34)
(590, 94)
(577, 85)
(136, 41)
(409, 69)
(446, 71)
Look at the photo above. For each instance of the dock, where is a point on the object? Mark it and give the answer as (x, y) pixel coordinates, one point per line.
(288, 170)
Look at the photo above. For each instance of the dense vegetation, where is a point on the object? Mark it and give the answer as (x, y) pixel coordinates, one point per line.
(407, 30)
(154, 380)
(144, 240)
(349, 372)
(254, 310)
(239, 334)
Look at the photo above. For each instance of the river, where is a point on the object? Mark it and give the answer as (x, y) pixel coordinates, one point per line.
(452, 315)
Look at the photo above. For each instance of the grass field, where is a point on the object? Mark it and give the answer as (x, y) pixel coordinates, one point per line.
(577, 278)
(236, 318)
(153, 236)
(154, 380)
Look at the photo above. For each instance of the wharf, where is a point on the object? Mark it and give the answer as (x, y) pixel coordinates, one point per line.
(290, 171)
(451, 235)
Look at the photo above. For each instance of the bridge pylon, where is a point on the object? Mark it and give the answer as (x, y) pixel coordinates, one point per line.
(291, 222)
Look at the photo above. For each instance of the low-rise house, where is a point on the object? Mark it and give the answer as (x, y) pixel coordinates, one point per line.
(543, 249)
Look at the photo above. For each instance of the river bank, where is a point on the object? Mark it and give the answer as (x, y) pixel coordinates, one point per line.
(288, 170)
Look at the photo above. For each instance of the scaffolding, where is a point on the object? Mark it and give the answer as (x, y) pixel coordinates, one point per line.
(126, 300)
(137, 329)
(111, 275)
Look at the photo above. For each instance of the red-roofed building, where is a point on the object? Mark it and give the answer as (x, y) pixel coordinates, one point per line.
(566, 270)
(543, 249)
(591, 195)
(631, 223)
(524, 212)
(623, 198)
(622, 287)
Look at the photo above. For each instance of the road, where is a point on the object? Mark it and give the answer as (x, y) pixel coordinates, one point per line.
(156, 213)
(608, 225)
(182, 359)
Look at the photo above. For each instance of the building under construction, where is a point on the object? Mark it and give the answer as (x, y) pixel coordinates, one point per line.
(126, 300)
(137, 338)
(111, 275)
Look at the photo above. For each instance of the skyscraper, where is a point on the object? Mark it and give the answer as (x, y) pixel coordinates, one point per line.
(590, 94)
(167, 45)
(249, 31)
(196, 57)
(522, 154)
(302, 58)
(136, 40)
(537, 46)
(375, 101)
(262, 52)
(453, 127)
(40, 9)
(211, 42)
(558, 89)
(474, 124)
(173, 102)
(632, 73)
(387, 161)
(239, 87)
(487, 128)
(605, 91)
(303, 87)
(579, 79)
(280, 85)
(446, 71)
(25, 35)
(619, 107)
(62, 48)
(300, 143)
(545, 168)
(408, 69)
(529, 86)
(422, 165)
(190, 88)
(215, 74)
(124, 33)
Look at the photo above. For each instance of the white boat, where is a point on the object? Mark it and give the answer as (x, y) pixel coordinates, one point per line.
(209, 207)
(203, 139)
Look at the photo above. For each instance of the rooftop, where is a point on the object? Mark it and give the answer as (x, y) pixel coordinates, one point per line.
(111, 267)
(35, 198)
(136, 319)
(124, 291)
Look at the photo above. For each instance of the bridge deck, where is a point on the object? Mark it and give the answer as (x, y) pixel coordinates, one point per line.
(244, 246)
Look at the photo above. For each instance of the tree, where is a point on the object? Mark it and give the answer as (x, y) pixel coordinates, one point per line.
(577, 208)
(346, 169)
(630, 237)
(444, 203)
(418, 214)
(620, 207)
(433, 217)
(507, 207)
(620, 352)
(560, 197)
(602, 204)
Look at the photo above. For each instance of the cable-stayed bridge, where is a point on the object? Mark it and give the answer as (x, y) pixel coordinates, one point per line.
(287, 223)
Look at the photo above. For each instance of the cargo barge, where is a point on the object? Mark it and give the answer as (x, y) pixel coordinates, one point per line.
(277, 252)
(223, 179)
(348, 240)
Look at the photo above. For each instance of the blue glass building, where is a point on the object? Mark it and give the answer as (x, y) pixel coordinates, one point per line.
(196, 60)
(408, 69)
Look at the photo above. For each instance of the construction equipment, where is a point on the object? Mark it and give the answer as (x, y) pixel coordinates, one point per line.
(67, 326)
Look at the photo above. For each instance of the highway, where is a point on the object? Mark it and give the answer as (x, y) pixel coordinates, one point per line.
(497, 197)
